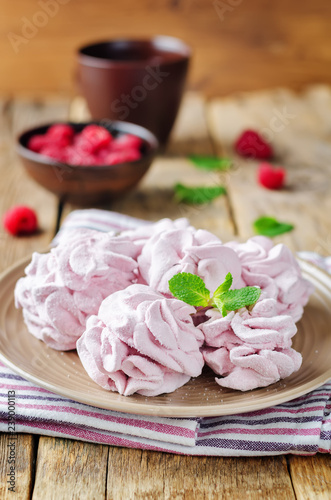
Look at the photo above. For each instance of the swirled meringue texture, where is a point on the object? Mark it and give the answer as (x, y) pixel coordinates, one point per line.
(142, 234)
(64, 287)
(187, 250)
(250, 349)
(141, 342)
(275, 270)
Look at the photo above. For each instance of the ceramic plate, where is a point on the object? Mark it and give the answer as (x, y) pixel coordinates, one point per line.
(62, 372)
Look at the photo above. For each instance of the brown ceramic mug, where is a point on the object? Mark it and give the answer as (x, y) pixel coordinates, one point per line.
(139, 81)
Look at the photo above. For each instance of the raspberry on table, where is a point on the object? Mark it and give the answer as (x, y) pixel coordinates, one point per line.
(20, 220)
(271, 177)
(250, 144)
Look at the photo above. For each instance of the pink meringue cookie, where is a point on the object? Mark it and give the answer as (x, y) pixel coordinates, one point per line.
(77, 278)
(217, 330)
(275, 270)
(262, 327)
(187, 250)
(96, 259)
(259, 368)
(218, 359)
(142, 234)
(141, 342)
(115, 366)
(157, 327)
(263, 332)
(48, 308)
(251, 345)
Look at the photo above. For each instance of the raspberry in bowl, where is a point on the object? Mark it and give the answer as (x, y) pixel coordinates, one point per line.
(87, 163)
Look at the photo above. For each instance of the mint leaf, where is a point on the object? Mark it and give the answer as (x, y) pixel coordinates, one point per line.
(210, 162)
(269, 226)
(198, 195)
(224, 287)
(236, 299)
(190, 289)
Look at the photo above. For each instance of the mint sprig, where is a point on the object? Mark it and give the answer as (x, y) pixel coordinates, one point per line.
(210, 162)
(191, 289)
(236, 299)
(269, 226)
(198, 195)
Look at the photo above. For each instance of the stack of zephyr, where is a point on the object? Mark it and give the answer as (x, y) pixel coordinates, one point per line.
(112, 298)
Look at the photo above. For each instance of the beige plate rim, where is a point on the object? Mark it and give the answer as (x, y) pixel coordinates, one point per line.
(130, 404)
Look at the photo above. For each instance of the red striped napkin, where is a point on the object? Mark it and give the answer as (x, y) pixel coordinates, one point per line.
(302, 426)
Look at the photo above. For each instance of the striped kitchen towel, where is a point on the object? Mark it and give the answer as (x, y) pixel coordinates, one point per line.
(301, 426)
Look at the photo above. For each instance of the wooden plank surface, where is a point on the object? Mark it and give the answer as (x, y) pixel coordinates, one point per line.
(23, 450)
(311, 477)
(304, 148)
(136, 475)
(70, 470)
(237, 45)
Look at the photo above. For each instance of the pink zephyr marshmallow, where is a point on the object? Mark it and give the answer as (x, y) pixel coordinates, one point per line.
(275, 270)
(64, 287)
(141, 342)
(187, 250)
(142, 234)
(253, 368)
(250, 348)
(261, 327)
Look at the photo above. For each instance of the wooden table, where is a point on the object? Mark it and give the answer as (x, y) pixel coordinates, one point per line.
(300, 129)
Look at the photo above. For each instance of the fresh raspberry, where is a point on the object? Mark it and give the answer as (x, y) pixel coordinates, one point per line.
(20, 220)
(74, 156)
(93, 138)
(251, 144)
(53, 151)
(37, 142)
(270, 177)
(61, 134)
(122, 157)
(126, 141)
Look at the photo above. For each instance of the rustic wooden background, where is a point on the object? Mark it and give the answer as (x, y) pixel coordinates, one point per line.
(238, 44)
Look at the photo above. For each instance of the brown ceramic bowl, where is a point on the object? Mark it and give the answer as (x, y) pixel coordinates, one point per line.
(141, 81)
(88, 185)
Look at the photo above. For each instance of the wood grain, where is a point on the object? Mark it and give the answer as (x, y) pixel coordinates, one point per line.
(302, 144)
(311, 477)
(136, 474)
(70, 470)
(24, 449)
(237, 45)
(190, 134)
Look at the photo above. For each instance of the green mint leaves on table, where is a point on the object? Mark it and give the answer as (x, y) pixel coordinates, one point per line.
(191, 289)
(269, 226)
(198, 195)
(210, 162)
